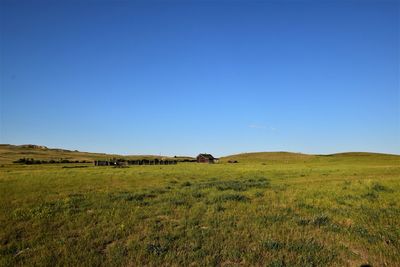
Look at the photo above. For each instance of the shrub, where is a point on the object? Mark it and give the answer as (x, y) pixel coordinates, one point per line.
(198, 194)
(305, 246)
(127, 196)
(231, 197)
(156, 249)
(380, 188)
(237, 185)
(320, 220)
(187, 184)
(272, 245)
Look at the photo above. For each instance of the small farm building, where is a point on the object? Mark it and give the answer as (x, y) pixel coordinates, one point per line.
(206, 158)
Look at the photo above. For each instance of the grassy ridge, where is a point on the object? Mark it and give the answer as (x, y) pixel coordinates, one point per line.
(268, 157)
(10, 153)
(339, 210)
(288, 157)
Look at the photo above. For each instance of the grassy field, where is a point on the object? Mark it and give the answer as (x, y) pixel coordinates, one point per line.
(270, 209)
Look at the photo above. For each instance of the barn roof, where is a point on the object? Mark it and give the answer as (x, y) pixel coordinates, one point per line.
(209, 156)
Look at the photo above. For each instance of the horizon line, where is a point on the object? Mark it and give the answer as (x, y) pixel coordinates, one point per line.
(236, 153)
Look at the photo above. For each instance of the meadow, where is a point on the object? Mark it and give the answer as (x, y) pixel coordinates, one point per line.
(270, 209)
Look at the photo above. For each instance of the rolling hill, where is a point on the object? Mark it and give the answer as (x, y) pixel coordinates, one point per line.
(10, 153)
(288, 157)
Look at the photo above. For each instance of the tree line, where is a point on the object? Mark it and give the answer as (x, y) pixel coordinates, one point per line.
(52, 161)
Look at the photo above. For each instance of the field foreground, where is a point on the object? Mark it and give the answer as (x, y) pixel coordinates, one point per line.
(269, 210)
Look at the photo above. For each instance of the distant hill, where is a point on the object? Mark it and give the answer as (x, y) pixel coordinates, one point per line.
(10, 153)
(267, 157)
(288, 157)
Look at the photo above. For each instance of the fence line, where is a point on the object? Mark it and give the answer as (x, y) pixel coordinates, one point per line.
(134, 162)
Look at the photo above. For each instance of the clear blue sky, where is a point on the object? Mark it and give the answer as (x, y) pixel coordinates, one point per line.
(183, 77)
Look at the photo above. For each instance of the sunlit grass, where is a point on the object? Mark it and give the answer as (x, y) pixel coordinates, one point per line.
(322, 211)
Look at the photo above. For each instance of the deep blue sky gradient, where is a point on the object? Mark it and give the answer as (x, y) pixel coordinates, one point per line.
(184, 77)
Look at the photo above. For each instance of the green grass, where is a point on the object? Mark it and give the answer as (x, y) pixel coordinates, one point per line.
(275, 209)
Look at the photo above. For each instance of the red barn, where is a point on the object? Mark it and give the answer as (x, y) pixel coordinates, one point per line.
(206, 158)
